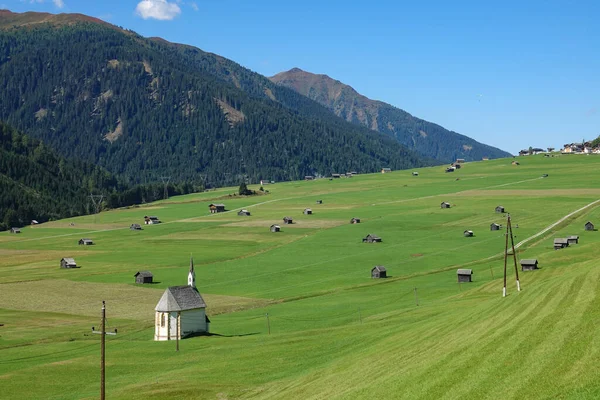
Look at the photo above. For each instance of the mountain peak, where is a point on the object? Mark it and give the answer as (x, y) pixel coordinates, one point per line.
(9, 19)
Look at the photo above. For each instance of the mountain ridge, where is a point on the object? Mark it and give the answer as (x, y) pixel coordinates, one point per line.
(427, 138)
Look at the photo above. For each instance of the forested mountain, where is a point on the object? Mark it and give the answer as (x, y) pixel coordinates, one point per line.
(425, 137)
(145, 108)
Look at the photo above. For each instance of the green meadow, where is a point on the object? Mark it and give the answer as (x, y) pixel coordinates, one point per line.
(335, 333)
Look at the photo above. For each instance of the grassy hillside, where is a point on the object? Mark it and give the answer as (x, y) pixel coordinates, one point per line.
(335, 332)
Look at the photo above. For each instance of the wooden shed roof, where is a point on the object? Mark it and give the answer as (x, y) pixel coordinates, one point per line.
(145, 274)
(463, 271)
(529, 261)
(180, 298)
(69, 260)
(560, 241)
(217, 205)
(573, 237)
(379, 268)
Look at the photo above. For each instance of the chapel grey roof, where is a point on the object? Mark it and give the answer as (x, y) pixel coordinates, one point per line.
(180, 298)
(464, 272)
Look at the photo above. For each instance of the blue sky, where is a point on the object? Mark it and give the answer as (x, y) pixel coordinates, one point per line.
(510, 74)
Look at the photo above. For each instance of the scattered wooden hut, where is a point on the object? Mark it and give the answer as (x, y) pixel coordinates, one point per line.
(560, 243)
(494, 227)
(468, 233)
(216, 208)
(319, 201)
(464, 275)
(386, 170)
(499, 209)
(589, 226)
(135, 227)
(378, 271)
(151, 220)
(445, 204)
(336, 176)
(529, 264)
(515, 163)
(143, 277)
(456, 165)
(370, 238)
(15, 230)
(288, 220)
(450, 169)
(68, 262)
(307, 211)
(244, 213)
(355, 220)
(573, 239)
(309, 178)
(415, 173)
(460, 160)
(544, 175)
(86, 242)
(275, 228)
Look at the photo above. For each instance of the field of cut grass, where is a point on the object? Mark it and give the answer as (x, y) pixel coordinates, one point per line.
(335, 332)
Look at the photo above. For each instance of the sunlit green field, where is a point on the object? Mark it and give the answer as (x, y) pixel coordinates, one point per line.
(334, 331)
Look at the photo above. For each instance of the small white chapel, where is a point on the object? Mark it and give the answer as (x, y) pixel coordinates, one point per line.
(181, 311)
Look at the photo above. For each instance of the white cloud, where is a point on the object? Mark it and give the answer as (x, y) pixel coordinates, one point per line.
(157, 9)
(194, 6)
(59, 3)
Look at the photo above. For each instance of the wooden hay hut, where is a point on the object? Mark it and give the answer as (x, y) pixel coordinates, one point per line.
(336, 176)
(309, 178)
(494, 227)
(319, 201)
(143, 277)
(135, 227)
(460, 160)
(415, 173)
(307, 211)
(529, 264)
(355, 220)
(275, 228)
(468, 233)
(589, 226)
(378, 271)
(370, 238)
(216, 208)
(386, 170)
(464, 275)
(499, 209)
(15, 230)
(450, 169)
(244, 213)
(86, 242)
(560, 243)
(573, 239)
(151, 220)
(68, 262)
(456, 165)
(445, 204)
(288, 220)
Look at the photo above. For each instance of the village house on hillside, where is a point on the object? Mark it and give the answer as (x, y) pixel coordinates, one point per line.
(68, 262)
(181, 311)
(378, 271)
(216, 208)
(580, 148)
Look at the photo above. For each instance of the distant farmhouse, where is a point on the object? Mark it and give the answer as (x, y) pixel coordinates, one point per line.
(532, 151)
(580, 148)
(68, 262)
(181, 311)
(216, 208)
(529, 264)
(378, 271)
(371, 239)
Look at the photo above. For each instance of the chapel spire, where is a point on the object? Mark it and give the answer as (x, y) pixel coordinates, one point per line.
(192, 274)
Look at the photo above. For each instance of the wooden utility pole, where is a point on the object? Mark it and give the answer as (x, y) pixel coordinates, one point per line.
(102, 348)
(178, 329)
(509, 232)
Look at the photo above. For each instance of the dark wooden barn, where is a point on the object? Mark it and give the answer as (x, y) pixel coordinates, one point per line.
(216, 208)
(494, 227)
(244, 213)
(378, 271)
(500, 209)
(135, 227)
(319, 201)
(15, 230)
(464, 275)
(355, 220)
(529, 264)
(68, 262)
(275, 228)
(307, 211)
(573, 239)
(143, 277)
(445, 205)
(589, 226)
(86, 242)
(288, 220)
(370, 238)
(560, 243)
(468, 233)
